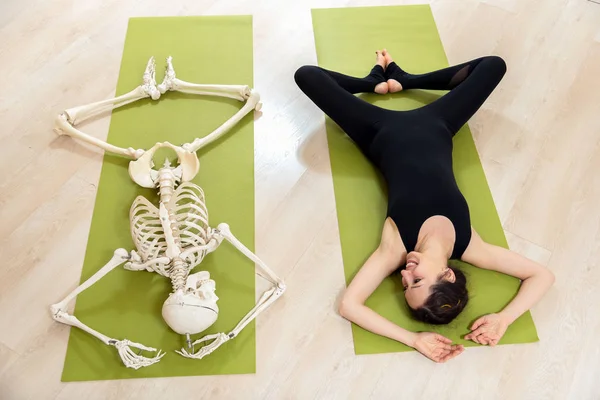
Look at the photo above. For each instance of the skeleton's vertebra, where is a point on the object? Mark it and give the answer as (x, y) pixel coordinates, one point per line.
(173, 238)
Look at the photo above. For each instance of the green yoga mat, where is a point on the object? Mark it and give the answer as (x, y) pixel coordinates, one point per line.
(127, 304)
(346, 40)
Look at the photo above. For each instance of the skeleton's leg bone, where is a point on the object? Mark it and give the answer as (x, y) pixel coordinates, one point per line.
(60, 314)
(63, 127)
(65, 122)
(251, 104)
(263, 303)
(77, 115)
(237, 92)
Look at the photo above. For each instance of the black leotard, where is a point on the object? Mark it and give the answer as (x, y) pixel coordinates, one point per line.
(412, 149)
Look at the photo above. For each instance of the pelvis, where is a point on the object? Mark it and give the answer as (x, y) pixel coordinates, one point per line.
(143, 173)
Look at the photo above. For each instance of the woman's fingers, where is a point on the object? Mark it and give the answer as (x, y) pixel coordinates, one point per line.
(450, 355)
(443, 355)
(475, 339)
(443, 339)
(478, 323)
(473, 335)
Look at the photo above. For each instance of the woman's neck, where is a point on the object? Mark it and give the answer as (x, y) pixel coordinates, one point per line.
(434, 246)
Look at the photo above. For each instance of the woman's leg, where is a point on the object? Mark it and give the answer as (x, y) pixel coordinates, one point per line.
(333, 92)
(469, 83)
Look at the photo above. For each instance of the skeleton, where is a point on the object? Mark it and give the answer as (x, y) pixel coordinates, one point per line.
(173, 238)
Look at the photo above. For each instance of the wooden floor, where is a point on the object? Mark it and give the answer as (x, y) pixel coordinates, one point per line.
(538, 137)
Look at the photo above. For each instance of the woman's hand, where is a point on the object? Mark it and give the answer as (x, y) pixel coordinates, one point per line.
(436, 347)
(488, 329)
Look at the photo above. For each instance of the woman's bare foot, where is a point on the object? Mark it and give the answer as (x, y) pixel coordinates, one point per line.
(387, 56)
(393, 85)
(381, 88)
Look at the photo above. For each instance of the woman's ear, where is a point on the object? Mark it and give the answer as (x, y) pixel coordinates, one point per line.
(449, 275)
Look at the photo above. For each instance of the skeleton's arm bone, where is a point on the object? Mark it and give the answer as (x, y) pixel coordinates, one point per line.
(263, 303)
(251, 104)
(119, 257)
(224, 230)
(60, 314)
(270, 295)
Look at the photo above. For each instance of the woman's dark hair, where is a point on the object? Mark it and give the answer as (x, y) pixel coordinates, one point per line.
(446, 301)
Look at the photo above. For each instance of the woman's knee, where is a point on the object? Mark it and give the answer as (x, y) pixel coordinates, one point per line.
(305, 74)
(497, 64)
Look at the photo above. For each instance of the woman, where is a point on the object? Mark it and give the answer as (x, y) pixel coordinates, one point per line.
(428, 219)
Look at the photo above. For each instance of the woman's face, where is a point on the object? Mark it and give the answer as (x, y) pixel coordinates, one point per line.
(420, 274)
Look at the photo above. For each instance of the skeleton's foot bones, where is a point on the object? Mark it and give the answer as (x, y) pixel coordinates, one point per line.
(66, 121)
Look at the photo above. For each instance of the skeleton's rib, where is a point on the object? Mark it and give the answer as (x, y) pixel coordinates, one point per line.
(208, 248)
(148, 265)
(251, 104)
(60, 314)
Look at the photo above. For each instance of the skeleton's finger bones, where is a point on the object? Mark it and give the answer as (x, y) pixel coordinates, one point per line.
(133, 360)
(216, 340)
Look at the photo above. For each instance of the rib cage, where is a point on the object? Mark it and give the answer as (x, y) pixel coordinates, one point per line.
(189, 206)
(190, 224)
(146, 230)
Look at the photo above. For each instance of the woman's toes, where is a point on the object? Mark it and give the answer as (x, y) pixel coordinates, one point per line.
(381, 88)
(380, 59)
(393, 86)
(388, 58)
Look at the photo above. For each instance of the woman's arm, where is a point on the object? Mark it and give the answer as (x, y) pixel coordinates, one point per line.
(390, 254)
(352, 307)
(536, 279)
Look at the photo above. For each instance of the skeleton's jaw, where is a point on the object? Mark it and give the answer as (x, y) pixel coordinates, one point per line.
(188, 313)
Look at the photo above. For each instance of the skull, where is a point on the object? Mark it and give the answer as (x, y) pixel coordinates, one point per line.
(193, 309)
